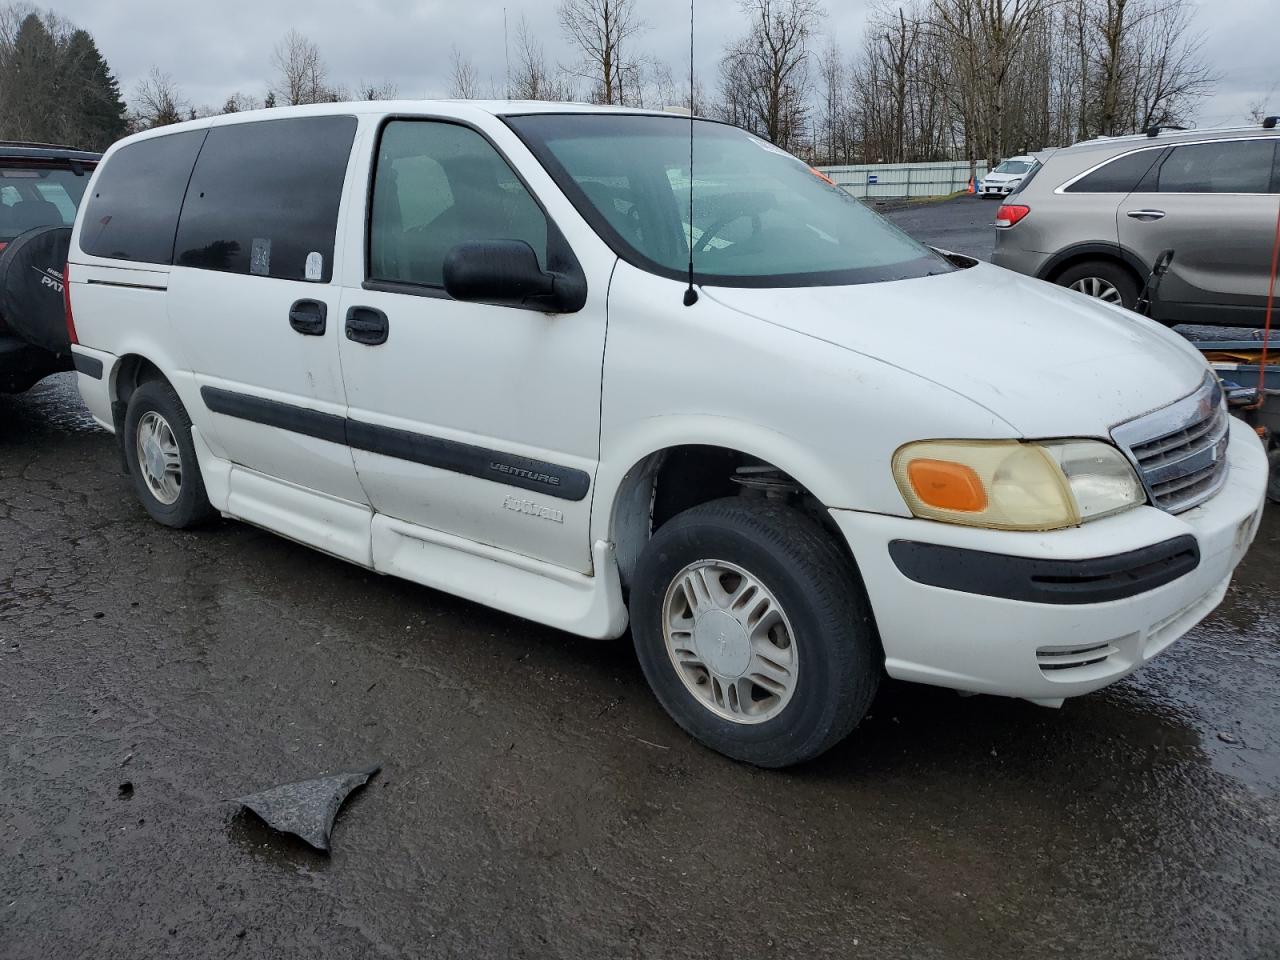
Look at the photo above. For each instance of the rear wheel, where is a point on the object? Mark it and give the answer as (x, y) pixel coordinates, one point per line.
(754, 631)
(162, 457)
(1105, 280)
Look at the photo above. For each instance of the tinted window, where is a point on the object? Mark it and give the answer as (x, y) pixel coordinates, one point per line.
(760, 216)
(1232, 166)
(1121, 175)
(438, 185)
(264, 198)
(136, 199)
(38, 196)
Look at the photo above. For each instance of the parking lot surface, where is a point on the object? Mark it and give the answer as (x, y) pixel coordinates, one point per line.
(961, 224)
(535, 801)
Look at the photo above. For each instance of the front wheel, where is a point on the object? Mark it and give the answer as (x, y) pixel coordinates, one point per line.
(162, 457)
(754, 631)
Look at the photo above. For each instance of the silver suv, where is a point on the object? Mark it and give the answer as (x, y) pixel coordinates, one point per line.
(1096, 215)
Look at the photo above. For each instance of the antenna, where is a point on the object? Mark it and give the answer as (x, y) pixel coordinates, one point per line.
(506, 49)
(690, 294)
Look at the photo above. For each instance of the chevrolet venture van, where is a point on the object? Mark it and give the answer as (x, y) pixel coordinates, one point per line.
(462, 343)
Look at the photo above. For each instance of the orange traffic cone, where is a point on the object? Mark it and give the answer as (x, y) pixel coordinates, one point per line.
(970, 187)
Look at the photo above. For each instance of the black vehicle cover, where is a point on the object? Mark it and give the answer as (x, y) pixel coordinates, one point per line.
(31, 298)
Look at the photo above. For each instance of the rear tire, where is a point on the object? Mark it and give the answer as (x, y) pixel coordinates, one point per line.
(1103, 279)
(782, 605)
(162, 458)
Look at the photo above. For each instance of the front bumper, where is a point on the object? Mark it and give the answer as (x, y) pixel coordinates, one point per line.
(1046, 651)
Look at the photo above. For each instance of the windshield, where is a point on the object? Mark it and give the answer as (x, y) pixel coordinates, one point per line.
(37, 196)
(760, 216)
(1013, 166)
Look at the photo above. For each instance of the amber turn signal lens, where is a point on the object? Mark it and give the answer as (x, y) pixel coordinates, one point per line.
(947, 485)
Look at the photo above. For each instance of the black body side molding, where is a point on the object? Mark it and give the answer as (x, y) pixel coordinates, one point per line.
(89, 366)
(509, 469)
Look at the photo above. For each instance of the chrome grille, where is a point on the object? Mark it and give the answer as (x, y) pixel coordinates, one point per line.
(1180, 450)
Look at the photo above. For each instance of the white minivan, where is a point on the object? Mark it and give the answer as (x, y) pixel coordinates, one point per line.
(523, 353)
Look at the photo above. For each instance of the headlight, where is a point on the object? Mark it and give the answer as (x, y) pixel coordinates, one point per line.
(1011, 485)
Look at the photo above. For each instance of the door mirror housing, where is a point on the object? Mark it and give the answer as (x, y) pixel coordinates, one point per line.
(506, 273)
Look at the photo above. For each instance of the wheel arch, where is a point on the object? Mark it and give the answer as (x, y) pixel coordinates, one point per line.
(1078, 253)
(662, 479)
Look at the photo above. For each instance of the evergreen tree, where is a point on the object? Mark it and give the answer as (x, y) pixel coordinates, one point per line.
(57, 88)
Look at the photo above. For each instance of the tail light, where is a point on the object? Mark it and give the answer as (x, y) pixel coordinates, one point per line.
(66, 303)
(1010, 213)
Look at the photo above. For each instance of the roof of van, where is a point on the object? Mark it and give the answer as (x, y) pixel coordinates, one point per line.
(1167, 135)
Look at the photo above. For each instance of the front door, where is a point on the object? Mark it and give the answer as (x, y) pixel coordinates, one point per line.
(476, 421)
(1214, 205)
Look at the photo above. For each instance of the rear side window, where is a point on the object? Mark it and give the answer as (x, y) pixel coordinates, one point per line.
(133, 212)
(264, 198)
(1228, 166)
(1121, 175)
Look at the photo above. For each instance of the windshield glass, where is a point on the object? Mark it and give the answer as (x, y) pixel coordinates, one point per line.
(37, 196)
(760, 216)
(1013, 166)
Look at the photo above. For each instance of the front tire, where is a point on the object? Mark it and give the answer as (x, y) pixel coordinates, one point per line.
(162, 458)
(754, 631)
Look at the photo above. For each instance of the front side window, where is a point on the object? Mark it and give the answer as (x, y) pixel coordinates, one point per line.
(264, 198)
(437, 185)
(760, 216)
(136, 198)
(1226, 166)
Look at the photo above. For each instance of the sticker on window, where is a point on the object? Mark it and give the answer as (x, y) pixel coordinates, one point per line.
(314, 269)
(260, 257)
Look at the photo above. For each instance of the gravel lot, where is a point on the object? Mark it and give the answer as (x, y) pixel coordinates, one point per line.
(535, 801)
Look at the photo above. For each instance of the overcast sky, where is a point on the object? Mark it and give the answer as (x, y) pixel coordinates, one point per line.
(213, 50)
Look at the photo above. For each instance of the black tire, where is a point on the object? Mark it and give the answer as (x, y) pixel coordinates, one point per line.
(839, 655)
(1108, 271)
(1273, 479)
(192, 507)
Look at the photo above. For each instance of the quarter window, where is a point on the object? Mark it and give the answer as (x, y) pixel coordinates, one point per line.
(1121, 175)
(438, 185)
(1227, 166)
(134, 209)
(264, 198)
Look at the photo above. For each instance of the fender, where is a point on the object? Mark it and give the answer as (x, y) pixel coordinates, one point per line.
(627, 453)
(1097, 248)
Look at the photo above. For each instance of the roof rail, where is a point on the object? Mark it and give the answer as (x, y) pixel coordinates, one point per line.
(37, 144)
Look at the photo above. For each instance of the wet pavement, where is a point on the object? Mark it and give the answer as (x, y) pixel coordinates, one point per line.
(961, 225)
(534, 801)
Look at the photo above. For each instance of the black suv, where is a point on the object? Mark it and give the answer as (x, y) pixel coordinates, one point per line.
(40, 188)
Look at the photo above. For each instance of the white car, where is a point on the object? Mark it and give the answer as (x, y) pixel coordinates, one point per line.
(1006, 177)
(458, 343)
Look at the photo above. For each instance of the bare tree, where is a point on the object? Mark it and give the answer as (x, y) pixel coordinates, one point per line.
(764, 79)
(464, 82)
(300, 73)
(157, 102)
(599, 30)
(367, 90)
(531, 78)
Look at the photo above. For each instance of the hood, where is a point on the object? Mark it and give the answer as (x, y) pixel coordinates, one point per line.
(1048, 361)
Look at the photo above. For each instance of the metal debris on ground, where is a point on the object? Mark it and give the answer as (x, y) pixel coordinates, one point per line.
(307, 808)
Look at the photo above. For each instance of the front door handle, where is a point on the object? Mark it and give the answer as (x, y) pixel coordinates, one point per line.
(1145, 215)
(367, 325)
(308, 317)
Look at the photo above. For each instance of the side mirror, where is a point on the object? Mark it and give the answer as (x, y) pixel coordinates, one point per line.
(506, 273)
